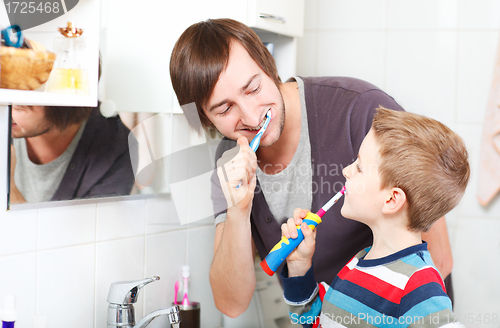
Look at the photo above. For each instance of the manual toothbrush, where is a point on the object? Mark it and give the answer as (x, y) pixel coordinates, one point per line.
(254, 144)
(176, 291)
(185, 276)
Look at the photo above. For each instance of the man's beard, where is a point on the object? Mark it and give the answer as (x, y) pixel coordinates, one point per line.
(282, 121)
(38, 131)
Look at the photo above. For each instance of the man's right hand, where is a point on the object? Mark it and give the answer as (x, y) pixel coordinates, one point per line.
(232, 274)
(236, 172)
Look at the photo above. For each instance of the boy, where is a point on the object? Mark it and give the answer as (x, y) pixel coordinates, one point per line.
(410, 171)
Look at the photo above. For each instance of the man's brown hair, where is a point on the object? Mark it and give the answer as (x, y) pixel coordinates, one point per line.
(424, 158)
(63, 116)
(202, 53)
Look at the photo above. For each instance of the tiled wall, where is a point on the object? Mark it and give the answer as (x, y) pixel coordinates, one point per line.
(60, 261)
(435, 57)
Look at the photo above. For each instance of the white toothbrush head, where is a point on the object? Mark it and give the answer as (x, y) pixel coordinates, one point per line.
(185, 271)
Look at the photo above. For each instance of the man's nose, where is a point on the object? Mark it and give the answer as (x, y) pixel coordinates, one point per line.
(250, 115)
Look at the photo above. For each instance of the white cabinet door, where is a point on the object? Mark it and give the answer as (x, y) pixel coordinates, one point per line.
(284, 17)
(140, 37)
(85, 14)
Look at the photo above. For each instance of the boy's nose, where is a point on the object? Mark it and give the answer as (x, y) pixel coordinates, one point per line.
(345, 171)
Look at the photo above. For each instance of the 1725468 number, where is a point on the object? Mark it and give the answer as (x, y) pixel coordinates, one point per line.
(24, 7)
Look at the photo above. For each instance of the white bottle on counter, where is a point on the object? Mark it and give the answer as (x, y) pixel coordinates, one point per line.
(9, 313)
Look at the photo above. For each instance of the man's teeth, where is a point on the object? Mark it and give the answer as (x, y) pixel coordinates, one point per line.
(259, 126)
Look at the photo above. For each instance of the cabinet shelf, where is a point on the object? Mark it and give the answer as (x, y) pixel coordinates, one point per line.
(22, 97)
(85, 14)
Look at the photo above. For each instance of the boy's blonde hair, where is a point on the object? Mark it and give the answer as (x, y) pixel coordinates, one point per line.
(424, 158)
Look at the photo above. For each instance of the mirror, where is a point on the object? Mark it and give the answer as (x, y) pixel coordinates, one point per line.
(76, 153)
(91, 161)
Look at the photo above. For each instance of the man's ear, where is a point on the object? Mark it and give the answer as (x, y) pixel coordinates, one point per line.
(395, 200)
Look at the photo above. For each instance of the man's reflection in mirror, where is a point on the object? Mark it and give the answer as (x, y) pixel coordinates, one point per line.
(64, 153)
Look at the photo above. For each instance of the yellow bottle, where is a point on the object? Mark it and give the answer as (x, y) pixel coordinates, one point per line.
(69, 75)
(69, 81)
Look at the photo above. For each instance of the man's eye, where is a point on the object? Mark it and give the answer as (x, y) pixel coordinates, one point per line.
(255, 90)
(225, 111)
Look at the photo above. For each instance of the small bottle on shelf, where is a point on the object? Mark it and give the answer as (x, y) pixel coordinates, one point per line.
(69, 75)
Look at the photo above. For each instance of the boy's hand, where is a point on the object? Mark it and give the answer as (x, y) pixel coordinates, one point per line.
(300, 260)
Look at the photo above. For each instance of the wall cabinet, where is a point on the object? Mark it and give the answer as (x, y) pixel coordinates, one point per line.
(86, 15)
(285, 17)
(137, 43)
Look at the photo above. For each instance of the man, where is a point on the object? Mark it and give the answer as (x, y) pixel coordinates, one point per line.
(63, 153)
(316, 129)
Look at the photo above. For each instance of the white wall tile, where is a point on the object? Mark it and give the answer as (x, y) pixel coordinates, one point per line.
(475, 273)
(17, 231)
(311, 14)
(161, 215)
(353, 14)
(421, 72)
(307, 54)
(476, 63)
(200, 245)
(118, 260)
(165, 256)
(18, 277)
(353, 54)
(422, 14)
(120, 219)
(479, 14)
(66, 226)
(65, 286)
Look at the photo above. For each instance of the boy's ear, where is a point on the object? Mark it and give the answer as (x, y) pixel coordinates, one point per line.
(395, 200)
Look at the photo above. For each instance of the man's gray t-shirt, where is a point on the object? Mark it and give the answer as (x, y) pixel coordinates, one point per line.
(39, 182)
(292, 187)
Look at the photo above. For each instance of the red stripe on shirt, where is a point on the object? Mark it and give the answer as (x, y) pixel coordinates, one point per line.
(373, 284)
(423, 277)
(322, 292)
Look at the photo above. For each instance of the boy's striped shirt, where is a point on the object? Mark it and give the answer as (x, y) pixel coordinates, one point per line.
(401, 290)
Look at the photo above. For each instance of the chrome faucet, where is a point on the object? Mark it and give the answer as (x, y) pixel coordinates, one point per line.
(121, 298)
